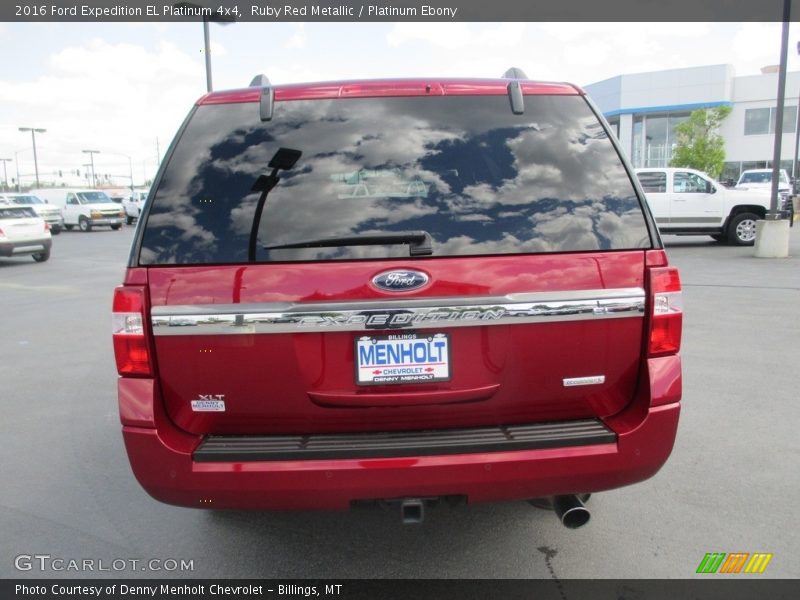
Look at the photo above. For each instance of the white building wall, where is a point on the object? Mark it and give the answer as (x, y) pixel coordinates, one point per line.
(675, 89)
(606, 94)
(758, 91)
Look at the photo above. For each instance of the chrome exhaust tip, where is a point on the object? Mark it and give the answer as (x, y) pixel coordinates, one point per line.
(571, 511)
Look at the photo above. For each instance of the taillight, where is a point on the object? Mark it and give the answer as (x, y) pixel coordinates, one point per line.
(47, 226)
(666, 311)
(131, 344)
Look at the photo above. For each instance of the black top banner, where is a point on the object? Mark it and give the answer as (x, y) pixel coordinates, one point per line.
(398, 10)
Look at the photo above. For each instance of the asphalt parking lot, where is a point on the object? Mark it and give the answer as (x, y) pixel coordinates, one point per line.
(731, 485)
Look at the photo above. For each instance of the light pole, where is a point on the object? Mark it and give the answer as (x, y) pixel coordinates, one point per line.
(795, 174)
(130, 167)
(130, 170)
(91, 154)
(216, 18)
(207, 45)
(34, 131)
(16, 167)
(773, 213)
(5, 173)
(772, 232)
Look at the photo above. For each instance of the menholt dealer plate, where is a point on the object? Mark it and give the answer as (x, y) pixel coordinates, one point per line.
(402, 358)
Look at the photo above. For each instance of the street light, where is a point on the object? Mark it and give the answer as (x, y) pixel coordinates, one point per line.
(16, 166)
(795, 174)
(214, 17)
(772, 232)
(91, 154)
(34, 131)
(130, 167)
(5, 173)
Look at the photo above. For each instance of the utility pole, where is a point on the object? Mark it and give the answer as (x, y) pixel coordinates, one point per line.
(34, 131)
(216, 18)
(772, 232)
(91, 154)
(5, 173)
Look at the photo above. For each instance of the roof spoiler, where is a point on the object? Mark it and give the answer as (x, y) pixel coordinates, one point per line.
(515, 96)
(267, 102)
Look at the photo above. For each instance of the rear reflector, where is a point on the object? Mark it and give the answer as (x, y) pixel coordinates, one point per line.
(131, 346)
(666, 318)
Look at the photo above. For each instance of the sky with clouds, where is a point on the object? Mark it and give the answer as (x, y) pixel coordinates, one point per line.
(124, 88)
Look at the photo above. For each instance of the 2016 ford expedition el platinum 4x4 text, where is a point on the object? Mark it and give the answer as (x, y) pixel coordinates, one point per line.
(396, 290)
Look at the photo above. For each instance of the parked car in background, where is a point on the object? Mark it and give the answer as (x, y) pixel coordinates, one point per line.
(761, 179)
(456, 292)
(51, 214)
(688, 202)
(84, 208)
(23, 232)
(133, 205)
(118, 196)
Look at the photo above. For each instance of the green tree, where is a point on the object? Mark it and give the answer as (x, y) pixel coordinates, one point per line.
(699, 144)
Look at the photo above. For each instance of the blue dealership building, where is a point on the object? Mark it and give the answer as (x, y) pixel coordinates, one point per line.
(644, 108)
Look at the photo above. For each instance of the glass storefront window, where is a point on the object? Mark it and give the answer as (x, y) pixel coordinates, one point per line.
(789, 119)
(638, 127)
(614, 124)
(758, 121)
(656, 142)
(660, 140)
(730, 173)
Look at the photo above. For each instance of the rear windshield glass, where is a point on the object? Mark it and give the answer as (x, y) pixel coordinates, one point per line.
(762, 177)
(27, 200)
(466, 170)
(17, 212)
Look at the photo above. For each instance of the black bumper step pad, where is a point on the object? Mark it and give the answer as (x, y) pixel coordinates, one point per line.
(325, 446)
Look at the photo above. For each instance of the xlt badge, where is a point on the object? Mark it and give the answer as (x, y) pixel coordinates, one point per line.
(400, 281)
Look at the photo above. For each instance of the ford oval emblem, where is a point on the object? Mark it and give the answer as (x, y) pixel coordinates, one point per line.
(400, 281)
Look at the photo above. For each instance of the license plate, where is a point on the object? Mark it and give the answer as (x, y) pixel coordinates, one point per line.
(402, 358)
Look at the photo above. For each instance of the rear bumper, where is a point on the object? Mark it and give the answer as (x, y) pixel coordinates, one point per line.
(55, 221)
(108, 221)
(25, 247)
(162, 460)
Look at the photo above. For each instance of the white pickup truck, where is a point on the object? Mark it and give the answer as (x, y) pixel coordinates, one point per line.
(688, 202)
(761, 179)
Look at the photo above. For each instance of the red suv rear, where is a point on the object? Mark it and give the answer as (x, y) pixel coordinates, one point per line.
(395, 290)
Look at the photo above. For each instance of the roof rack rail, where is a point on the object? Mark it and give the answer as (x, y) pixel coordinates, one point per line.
(515, 96)
(267, 102)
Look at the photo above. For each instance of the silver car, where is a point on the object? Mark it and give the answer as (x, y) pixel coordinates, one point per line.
(51, 214)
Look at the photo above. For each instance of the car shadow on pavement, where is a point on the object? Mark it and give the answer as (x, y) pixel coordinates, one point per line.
(451, 542)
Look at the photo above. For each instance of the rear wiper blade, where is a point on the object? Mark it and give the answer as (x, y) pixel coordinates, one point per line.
(419, 243)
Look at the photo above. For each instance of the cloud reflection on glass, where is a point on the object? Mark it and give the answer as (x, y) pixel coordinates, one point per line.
(478, 178)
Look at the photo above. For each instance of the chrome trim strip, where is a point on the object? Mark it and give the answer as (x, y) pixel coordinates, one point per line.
(420, 313)
(686, 220)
